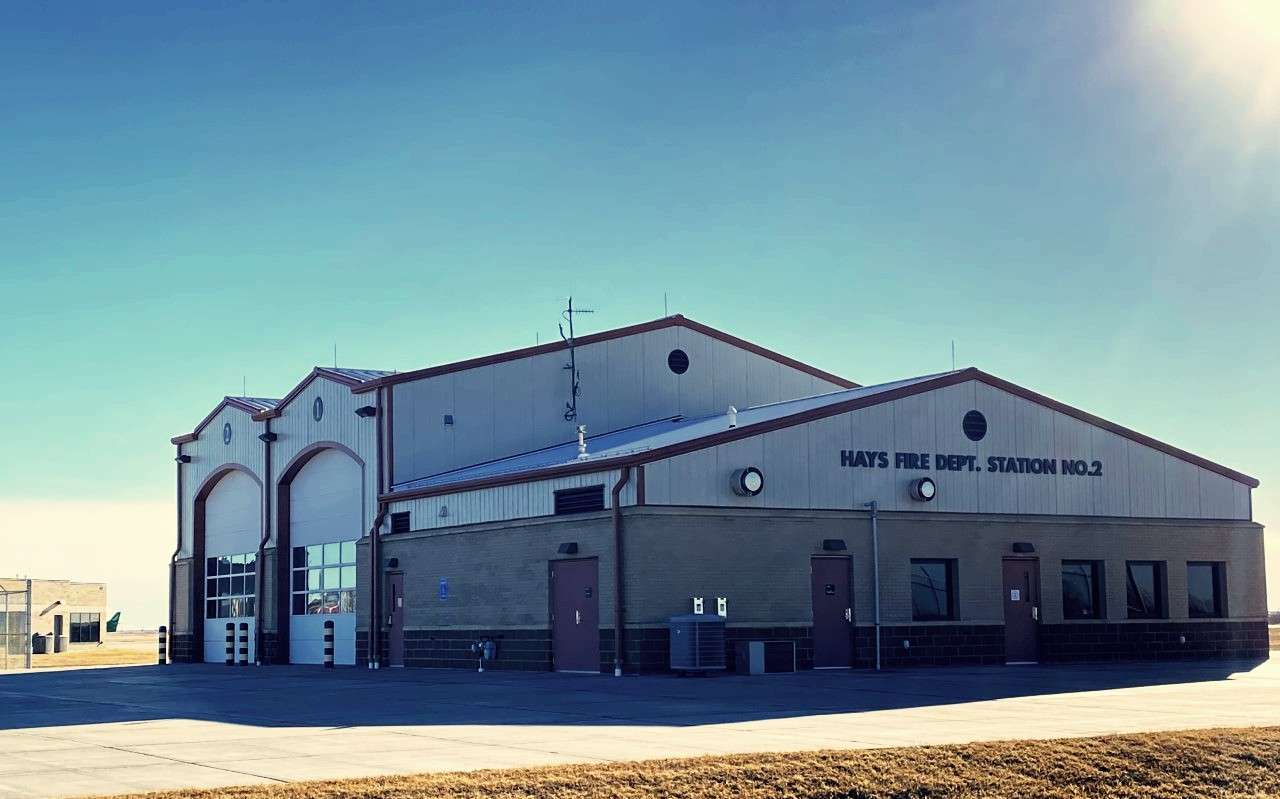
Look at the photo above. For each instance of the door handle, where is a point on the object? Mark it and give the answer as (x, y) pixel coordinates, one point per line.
(848, 614)
(577, 617)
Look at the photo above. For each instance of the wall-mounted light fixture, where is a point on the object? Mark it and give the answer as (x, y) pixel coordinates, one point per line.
(923, 489)
(747, 482)
(834, 545)
(568, 548)
(393, 563)
(448, 420)
(366, 411)
(183, 459)
(268, 437)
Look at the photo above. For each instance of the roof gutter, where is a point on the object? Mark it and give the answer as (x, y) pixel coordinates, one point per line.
(619, 612)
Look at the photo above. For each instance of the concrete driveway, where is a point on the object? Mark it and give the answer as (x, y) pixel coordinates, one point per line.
(140, 728)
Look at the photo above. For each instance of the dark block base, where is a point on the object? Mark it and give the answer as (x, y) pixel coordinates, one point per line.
(1158, 640)
(931, 645)
(519, 650)
(271, 650)
(182, 648)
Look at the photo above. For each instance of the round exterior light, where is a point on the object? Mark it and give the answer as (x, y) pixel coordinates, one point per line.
(748, 482)
(923, 489)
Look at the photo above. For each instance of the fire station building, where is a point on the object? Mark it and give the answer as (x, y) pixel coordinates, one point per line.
(567, 514)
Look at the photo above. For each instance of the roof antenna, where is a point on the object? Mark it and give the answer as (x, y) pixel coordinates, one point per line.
(335, 355)
(665, 313)
(571, 407)
(244, 385)
(953, 355)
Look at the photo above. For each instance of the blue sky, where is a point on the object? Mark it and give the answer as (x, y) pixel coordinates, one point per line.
(1084, 197)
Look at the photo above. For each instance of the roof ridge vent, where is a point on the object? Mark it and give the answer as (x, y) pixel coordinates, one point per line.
(733, 417)
(582, 442)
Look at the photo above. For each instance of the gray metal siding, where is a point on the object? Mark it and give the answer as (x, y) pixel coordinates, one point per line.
(209, 454)
(502, 503)
(506, 408)
(802, 465)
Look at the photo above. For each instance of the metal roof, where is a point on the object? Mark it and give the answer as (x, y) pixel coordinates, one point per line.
(648, 436)
(363, 375)
(257, 403)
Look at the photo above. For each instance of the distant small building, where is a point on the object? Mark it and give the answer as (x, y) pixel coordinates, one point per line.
(70, 612)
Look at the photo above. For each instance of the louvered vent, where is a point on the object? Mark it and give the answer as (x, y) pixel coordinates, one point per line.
(579, 500)
(400, 522)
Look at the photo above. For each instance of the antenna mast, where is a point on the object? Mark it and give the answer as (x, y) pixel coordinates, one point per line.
(575, 388)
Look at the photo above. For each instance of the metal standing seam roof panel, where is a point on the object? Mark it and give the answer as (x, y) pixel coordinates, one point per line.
(257, 403)
(647, 436)
(363, 375)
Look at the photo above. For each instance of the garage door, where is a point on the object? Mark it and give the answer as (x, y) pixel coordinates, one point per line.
(324, 525)
(232, 530)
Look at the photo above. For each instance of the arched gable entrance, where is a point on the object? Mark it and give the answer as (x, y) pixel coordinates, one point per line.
(227, 528)
(320, 502)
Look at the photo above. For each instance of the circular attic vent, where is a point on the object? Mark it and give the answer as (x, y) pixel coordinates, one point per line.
(975, 425)
(678, 361)
(226, 433)
(317, 409)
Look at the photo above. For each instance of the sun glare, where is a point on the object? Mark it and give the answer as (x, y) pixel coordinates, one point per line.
(1229, 47)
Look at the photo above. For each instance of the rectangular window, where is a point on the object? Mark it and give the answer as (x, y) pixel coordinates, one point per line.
(579, 500)
(230, 594)
(933, 589)
(324, 578)
(1082, 590)
(1146, 589)
(1204, 590)
(86, 628)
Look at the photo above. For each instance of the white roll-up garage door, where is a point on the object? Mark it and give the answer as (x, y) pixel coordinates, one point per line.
(232, 531)
(324, 525)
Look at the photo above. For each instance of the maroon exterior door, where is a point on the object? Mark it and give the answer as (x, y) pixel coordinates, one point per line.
(832, 613)
(575, 615)
(1021, 611)
(395, 638)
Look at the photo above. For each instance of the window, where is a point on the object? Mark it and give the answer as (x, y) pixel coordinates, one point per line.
(579, 500)
(1146, 580)
(1082, 590)
(86, 628)
(933, 590)
(1204, 590)
(230, 586)
(324, 578)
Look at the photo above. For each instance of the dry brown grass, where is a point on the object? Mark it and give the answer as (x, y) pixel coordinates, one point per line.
(1219, 763)
(117, 649)
(1275, 636)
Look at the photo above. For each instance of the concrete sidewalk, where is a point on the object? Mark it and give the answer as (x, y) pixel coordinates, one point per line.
(144, 728)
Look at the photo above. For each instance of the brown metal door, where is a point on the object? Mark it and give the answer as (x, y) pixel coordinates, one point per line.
(1021, 611)
(395, 640)
(832, 613)
(575, 615)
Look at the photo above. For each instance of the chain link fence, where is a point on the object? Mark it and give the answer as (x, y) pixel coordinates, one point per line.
(15, 626)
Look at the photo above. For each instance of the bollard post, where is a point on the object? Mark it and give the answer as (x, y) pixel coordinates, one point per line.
(244, 643)
(163, 657)
(231, 644)
(328, 644)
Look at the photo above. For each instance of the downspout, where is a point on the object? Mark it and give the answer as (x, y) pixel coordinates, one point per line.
(173, 563)
(875, 567)
(267, 484)
(375, 557)
(619, 616)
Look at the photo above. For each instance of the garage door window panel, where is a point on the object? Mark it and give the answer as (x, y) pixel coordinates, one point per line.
(324, 578)
(230, 591)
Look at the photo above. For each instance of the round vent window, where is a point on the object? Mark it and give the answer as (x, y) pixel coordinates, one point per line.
(226, 433)
(317, 409)
(678, 361)
(975, 425)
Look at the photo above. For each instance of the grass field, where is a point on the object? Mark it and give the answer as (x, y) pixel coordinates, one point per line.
(116, 649)
(1275, 636)
(1218, 763)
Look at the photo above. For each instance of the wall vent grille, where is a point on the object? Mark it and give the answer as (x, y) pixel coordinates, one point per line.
(579, 500)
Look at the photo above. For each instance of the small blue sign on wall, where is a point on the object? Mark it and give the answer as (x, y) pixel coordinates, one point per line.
(444, 588)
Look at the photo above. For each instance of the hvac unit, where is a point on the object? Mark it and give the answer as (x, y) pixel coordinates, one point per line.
(697, 642)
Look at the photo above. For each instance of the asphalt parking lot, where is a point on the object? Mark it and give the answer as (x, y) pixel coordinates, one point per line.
(102, 731)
